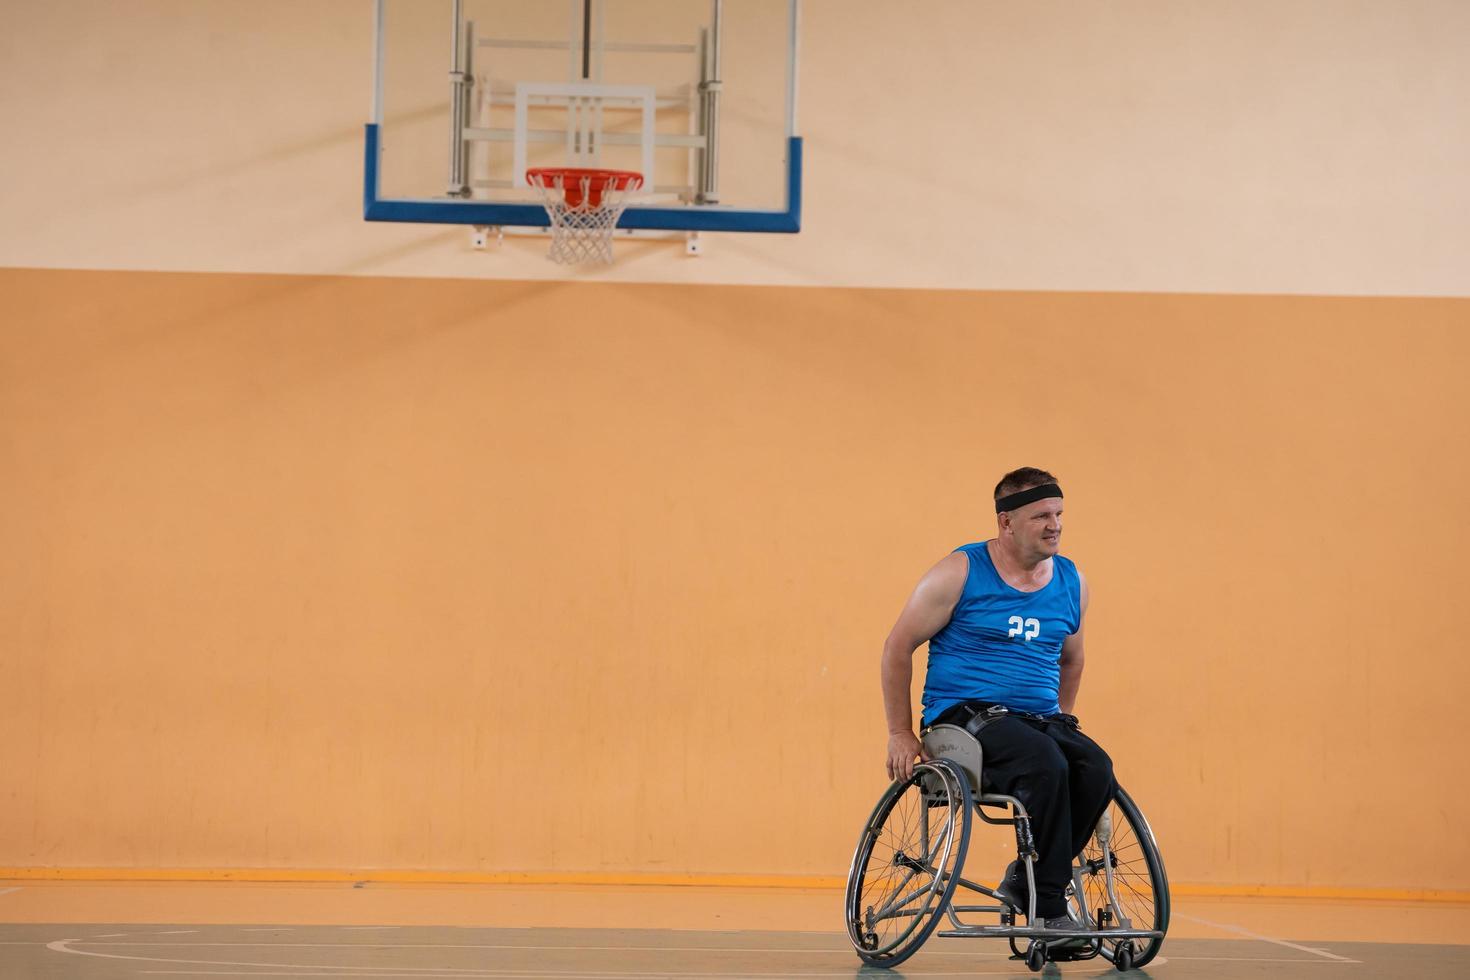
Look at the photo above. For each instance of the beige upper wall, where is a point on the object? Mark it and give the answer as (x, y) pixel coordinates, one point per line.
(1293, 147)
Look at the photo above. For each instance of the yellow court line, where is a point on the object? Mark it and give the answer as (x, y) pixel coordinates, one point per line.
(388, 876)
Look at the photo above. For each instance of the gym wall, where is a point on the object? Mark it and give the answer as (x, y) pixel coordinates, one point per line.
(340, 546)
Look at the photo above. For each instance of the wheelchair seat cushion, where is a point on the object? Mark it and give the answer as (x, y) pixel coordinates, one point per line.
(957, 745)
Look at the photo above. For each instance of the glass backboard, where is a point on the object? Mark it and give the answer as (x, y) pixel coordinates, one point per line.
(697, 95)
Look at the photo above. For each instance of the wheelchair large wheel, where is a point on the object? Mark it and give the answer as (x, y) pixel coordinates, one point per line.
(1139, 894)
(908, 862)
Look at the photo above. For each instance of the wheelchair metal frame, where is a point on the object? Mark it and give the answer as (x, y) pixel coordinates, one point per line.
(958, 757)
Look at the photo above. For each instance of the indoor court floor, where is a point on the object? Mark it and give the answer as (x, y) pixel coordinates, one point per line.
(115, 930)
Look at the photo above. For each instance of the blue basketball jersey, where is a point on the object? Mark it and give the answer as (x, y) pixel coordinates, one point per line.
(1002, 645)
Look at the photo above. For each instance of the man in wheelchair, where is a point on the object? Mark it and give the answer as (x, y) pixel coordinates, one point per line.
(1004, 621)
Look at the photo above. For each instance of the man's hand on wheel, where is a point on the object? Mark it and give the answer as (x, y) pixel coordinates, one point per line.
(903, 747)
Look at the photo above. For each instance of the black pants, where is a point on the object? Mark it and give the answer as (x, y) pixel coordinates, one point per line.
(1064, 779)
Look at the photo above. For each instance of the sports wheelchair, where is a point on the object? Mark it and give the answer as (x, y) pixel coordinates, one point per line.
(906, 870)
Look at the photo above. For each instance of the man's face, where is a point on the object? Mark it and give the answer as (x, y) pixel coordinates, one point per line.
(1037, 527)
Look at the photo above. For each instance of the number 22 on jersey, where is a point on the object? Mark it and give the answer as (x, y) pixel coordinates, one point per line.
(1027, 629)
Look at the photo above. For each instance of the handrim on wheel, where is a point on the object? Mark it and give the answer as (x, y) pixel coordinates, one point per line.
(908, 862)
(1138, 893)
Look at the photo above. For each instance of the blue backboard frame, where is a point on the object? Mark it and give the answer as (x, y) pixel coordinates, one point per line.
(488, 213)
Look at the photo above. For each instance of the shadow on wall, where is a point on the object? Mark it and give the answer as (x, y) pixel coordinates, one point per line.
(197, 324)
(220, 171)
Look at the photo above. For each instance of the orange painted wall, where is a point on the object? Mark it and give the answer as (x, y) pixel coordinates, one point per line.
(309, 572)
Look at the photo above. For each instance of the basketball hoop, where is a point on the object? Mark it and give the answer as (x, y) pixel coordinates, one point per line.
(584, 206)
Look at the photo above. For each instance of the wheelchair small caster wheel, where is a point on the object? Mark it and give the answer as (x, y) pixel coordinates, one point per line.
(1123, 957)
(1035, 956)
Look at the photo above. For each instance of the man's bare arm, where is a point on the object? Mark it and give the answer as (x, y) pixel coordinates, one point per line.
(926, 613)
(1072, 657)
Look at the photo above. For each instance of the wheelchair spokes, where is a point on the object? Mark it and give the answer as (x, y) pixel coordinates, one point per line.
(905, 865)
(1120, 879)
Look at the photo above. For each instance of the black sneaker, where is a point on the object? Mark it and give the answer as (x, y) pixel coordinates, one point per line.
(1012, 888)
(1064, 949)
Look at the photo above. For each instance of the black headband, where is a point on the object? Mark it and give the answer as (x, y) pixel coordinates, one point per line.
(1025, 497)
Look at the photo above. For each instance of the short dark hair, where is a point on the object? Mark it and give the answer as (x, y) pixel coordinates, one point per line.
(1023, 479)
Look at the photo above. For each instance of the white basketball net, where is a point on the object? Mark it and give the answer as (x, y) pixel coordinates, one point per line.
(583, 234)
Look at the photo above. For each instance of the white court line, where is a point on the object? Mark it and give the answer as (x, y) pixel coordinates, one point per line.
(178, 932)
(1266, 939)
(425, 973)
(1248, 959)
(7, 891)
(528, 975)
(65, 946)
